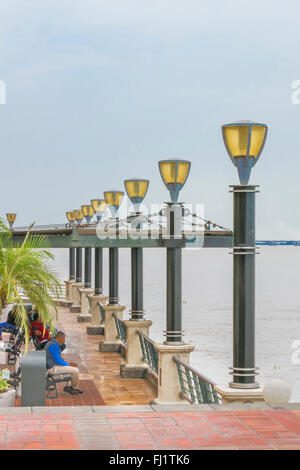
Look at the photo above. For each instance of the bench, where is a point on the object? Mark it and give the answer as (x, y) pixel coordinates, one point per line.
(51, 381)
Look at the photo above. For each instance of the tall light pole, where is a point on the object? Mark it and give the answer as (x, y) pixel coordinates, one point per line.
(11, 219)
(99, 206)
(174, 174)
(136, 190)
(113, 200)
(244, 142)
(72, 274)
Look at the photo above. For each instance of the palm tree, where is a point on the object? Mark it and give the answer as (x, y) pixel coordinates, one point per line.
(25, 270)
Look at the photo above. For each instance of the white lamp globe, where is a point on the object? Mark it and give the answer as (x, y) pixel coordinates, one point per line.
(277, 391)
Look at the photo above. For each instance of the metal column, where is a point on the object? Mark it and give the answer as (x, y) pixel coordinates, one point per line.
(98, 271)
(78, 264)
(87, 267)
(113, 276)
(244, 370)
(72, 275)
(137, 303)
(174, 274)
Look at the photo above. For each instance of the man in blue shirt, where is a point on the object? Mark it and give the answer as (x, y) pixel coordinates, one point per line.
(57, 365)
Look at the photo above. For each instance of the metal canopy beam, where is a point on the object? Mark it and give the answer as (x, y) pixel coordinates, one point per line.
(87, 237)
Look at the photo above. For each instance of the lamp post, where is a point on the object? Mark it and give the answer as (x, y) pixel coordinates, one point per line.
(71, 220)
(78, 216)
(11, 219)
(86, 289)
(72, 275)
(136, 190)
(75, 308)
(88, 213)
(99, 206)
(174, 174)
(244, 142)
(135, 366)
(113, 199)
(111, 342)
(96, 327)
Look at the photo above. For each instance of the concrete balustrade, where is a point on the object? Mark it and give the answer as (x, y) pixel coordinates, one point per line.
(169, 391)
(134, 367)
(76, 307)
(111, 342)
(68, 293)
(85, 315)
(96, 327)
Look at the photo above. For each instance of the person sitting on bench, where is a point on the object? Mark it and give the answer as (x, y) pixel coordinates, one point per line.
(37, 328)
(57, 365)
(8, 319)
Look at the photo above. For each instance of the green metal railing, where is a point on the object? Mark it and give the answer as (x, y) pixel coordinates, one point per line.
(195, 387)
(101, 312)
(121, 329)
(150, 354)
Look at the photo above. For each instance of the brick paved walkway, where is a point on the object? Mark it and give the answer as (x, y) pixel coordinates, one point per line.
(99, 372)
(241, 429)
(103, 369)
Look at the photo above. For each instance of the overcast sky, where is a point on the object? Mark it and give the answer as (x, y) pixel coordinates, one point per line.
(99, 91)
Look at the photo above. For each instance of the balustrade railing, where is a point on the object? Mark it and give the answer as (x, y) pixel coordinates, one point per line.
(101, 312)
(195, 386)
(150, 354)
(121, 329)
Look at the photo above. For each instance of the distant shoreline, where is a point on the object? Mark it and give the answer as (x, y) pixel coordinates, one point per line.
(278, 242)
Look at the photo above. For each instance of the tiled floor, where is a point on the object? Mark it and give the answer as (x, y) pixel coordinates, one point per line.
(99, 372)
(246, 429)
(102, 368)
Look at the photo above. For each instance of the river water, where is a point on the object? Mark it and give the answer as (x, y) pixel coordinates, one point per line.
(207, 306)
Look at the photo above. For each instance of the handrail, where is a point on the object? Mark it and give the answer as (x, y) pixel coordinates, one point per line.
(195, 386)
(149, 353)
(121, 328)
(101, 312)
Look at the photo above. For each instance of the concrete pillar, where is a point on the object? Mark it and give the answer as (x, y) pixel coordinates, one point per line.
(169, 391)
(76, 308)
(96, 327)
(71, 291)
(111, 342)
(134, 367)
(68, 290)
(85, 315)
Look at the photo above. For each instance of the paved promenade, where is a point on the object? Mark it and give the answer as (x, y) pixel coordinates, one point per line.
(146, 427)
(115, 413)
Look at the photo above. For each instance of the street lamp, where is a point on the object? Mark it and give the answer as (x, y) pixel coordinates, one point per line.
(244, 142)
(72, 259)
(88, 213)
(136, 189)
(113, 200)
(71, 217)
(11, 219)
(174, 173)
(78, 215)
(99, 206)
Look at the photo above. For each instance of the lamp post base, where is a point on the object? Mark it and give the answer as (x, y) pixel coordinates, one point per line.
(244, 386)
(241, 395)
